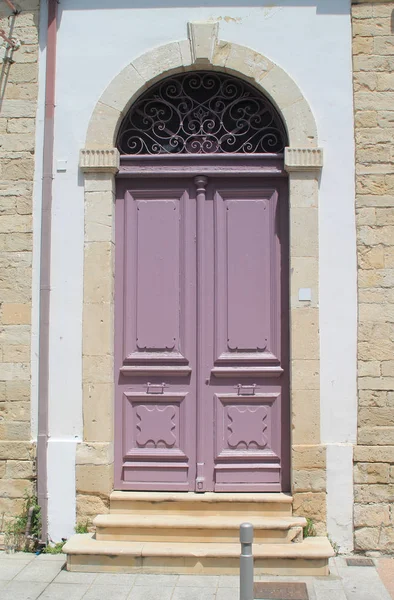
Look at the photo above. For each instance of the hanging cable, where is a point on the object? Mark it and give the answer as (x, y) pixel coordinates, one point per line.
(12, 7)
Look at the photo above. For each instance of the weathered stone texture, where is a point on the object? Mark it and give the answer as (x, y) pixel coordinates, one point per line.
(17, 141)
(373, 60)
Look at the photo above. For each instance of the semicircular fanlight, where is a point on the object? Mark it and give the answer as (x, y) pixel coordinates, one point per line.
(202, 113)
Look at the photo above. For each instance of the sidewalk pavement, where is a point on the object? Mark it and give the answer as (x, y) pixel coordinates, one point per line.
(30, 577)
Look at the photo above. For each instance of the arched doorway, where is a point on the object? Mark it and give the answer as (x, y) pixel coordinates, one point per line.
(201, 307)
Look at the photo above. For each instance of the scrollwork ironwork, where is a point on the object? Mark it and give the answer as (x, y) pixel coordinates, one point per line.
(202, 113)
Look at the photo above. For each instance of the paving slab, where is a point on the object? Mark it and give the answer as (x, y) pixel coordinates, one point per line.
(193, 593)
(20, 590)
(44, 571)
(73, 578)
(203, 581)
(64, 591)
(115, 579)
(157, 592)
(23, 556)
(106, 592)
(9, 569)
(227, 594)
(228, 581)
(147, 580)
(28, 577)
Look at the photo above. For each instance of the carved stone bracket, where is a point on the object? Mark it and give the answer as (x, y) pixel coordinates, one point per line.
(105, 160)
(203, 36)
(303, 159)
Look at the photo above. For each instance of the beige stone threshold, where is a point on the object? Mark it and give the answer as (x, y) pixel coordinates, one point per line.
(86, 554)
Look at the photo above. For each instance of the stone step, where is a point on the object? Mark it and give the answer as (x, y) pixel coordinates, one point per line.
(248, 505)
(164, 527)
(87, 554)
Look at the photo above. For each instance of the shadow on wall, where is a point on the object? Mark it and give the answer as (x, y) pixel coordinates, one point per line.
(338, 7)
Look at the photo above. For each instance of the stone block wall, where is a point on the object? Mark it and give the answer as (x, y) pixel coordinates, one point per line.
(373, 60)
(18, 103)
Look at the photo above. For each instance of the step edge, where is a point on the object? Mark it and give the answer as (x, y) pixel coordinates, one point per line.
(302, 550)
(208, 497)
(164, 522)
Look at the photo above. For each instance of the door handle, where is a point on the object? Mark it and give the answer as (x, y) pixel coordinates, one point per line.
(246, 390)
(155, 388)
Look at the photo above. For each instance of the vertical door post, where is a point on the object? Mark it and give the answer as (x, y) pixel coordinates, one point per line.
(201, 183)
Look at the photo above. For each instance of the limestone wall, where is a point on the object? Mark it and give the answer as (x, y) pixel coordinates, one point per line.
(373, 57)
(18, 99)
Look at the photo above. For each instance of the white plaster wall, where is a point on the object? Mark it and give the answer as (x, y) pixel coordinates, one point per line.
(311, 40)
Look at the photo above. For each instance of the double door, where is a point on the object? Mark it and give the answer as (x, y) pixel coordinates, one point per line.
(201, 334)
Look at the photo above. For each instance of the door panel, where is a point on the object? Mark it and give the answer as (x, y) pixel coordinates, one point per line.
(155, 335)
(201, 334)
(243, 367)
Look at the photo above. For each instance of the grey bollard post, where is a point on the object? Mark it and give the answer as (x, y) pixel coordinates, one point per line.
(246, 562)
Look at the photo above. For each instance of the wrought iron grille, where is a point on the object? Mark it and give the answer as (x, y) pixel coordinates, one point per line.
(202, 113)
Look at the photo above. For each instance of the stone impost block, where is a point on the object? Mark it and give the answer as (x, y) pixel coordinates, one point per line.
(371, 473)
(305, 416)
(98, 329)
(303, 159)
(17, 391)
(104, 160)
(305, 375)
(371, 515)
(308, 457)
(305, 333)
(366, 118)
(372, 417)
(374, 493)
(98, 413)
(99, 217)
(309, 481)
(99, 182)
(94, 453)
(376, 436)
(99, 259)
(304, 232)
(304, 274)
(89, 506)
(304, 189)
(98, 369)
(16, 488)
(17, 469)
(372, 398)
(368, 369)
(19, 430)
(363, 45)
(310, 504)
(94, 479)
(367, 538)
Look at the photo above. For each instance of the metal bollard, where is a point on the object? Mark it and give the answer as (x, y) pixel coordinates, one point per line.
(246, 562)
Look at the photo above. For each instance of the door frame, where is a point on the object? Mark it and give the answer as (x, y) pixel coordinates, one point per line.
(100, 162)
(264, 166)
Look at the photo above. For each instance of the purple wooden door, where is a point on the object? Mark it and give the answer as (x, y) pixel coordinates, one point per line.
(201, 334)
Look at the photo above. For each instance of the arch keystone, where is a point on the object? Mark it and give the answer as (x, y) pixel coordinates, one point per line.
(203, 36)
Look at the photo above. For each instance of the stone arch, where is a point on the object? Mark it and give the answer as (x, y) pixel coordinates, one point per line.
(202, 50)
